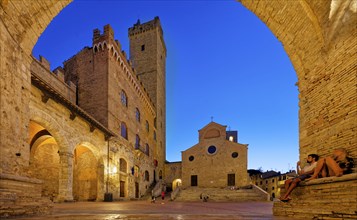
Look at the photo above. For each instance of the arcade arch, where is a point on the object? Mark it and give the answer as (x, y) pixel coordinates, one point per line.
(44, 159)
(176, 183)
(85, 174)
(123, 177)
(88, 172)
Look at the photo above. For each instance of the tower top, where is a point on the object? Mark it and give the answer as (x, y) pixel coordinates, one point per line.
(106, 36)
(139, 28)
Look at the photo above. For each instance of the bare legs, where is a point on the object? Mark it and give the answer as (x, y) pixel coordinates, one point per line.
(290, 184)
(287, 184)
(320, 167)
(324, 165)
(333, 168)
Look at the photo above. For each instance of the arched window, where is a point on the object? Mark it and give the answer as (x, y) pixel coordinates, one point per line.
(136, 171)
(160, 175)
(147, 149)
(137, 114)
(124, 98)
(155, 122)
(147, 126)
(155, 135)
(137, 142)
(123, 165)
(146, 176)
(124, 130)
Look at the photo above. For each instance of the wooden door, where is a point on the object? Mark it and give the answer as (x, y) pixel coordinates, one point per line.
(231, 179)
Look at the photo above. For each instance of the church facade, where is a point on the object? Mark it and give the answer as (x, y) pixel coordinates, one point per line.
(217, 160)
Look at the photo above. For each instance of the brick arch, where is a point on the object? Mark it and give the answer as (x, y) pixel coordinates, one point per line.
(52, 127)
(319, 38)
(94, 149)
(26, 22)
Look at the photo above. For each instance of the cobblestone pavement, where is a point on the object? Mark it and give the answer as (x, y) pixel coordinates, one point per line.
(161, 210)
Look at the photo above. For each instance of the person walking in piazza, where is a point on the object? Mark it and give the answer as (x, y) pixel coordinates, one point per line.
(153, 196)
(162, 194)
(303, 173)
(336, 165)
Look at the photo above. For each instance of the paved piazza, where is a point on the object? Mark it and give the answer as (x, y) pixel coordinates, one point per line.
(161, 211)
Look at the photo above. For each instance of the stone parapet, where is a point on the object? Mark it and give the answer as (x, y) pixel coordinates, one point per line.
(324, 198)
(21, 195)
(41, 68)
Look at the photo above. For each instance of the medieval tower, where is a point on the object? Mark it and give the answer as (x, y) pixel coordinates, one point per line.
(127, 96)
(148, 57)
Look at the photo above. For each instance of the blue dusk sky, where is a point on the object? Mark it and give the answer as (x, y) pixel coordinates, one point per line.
(222, 62)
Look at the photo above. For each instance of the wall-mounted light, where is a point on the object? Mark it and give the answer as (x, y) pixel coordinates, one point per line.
(114, 169)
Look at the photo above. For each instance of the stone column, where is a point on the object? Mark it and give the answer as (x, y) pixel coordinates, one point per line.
(65, 192)
(101, 183)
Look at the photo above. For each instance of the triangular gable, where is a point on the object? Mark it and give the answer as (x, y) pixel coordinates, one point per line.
(212, 130)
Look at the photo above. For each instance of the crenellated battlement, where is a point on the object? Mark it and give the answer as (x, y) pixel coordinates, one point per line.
(107, 36)
(55, 78)
(107, 42)
(139, 28)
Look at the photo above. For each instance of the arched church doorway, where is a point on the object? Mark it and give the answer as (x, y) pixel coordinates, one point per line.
(44, 159)
(85, 176)
(176, 183)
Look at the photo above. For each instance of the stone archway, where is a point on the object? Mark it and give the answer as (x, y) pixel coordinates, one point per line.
(22, 23)
(320, 38)
(85, 176)
(176, 183)
(64, 165)
(44, 159)
(88, 173)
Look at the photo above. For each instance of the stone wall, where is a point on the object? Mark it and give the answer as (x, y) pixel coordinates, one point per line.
(320, 37)
(54, 78)
(22, 196)
(21, 24)
(325, 198)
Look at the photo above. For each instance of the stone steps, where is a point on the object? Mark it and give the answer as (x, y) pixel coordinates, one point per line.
(217, 194)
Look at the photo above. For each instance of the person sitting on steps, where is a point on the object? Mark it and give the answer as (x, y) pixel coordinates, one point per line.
(336, 165)
(303, 173)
